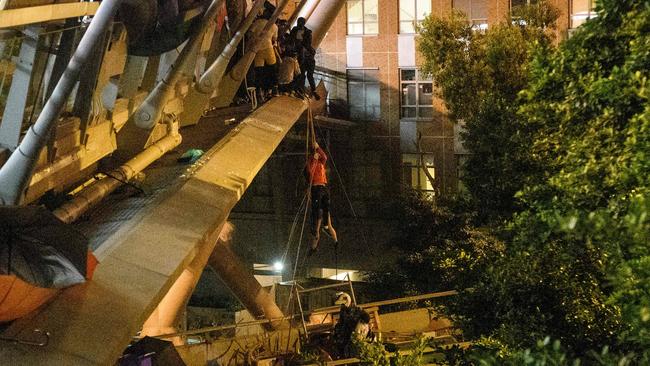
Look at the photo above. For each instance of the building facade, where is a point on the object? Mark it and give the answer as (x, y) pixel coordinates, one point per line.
(369, 61)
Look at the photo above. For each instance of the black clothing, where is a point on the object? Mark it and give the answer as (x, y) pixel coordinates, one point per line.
(307, 69)
(320, 205)
(301, 39)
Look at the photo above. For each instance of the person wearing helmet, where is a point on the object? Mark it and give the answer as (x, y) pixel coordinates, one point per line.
(353, 322)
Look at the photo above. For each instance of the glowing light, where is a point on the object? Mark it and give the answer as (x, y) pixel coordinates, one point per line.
(278, 266)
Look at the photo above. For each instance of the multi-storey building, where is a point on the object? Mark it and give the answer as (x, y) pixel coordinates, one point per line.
(369, 63)
(370, 60)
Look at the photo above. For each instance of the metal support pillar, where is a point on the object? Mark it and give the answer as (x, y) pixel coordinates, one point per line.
(231, 82)
(17, 171)
(14, 113)
(150, 111)
(64, 53)
(322, 18)
(306, 10)
(167, 316)
(244, 286)
(296, 13)
(88, 82)
(198, 99)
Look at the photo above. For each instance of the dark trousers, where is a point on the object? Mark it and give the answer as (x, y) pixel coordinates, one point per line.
(266, 77)
(288, 88)
(320, 206)
(307, 68)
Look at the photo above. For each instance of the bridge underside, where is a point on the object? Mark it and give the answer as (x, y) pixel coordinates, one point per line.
(149, 266)
(93, 323)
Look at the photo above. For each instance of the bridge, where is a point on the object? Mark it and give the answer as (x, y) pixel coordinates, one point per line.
(97, 94)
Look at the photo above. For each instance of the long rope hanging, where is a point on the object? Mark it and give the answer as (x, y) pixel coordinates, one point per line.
(312, 130)
(306, 202)
(345, 192)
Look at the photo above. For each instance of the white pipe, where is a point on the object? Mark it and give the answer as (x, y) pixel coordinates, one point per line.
(308, 9)
(90, 196)
(151, 110)
(212, 76)
(296, 13)
(17, 171)
(238, 72)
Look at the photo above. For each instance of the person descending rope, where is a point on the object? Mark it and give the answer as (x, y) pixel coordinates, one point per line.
(320, 198)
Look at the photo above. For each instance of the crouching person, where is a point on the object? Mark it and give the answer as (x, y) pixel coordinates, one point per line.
(288, 73)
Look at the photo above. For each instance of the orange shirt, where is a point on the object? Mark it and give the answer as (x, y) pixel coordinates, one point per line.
(316, 168)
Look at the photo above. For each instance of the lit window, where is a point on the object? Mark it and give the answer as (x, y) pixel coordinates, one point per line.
(581, 11)
(417, 94)
(412, 13)
(476, 11)
(363, 94)
(363, 17)
(413, 174)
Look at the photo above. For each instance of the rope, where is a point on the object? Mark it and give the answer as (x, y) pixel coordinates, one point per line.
(336, 260)
(345, 192)
(306, 202)
(293, 228)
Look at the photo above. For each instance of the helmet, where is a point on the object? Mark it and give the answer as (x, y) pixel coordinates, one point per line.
(343, 298)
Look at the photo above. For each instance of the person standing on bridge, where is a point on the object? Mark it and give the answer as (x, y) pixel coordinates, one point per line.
(301, 38)
(265, 61)
(315, 170)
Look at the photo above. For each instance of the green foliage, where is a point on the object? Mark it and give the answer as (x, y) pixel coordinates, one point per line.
(374, 353)
(440, 248)
(576, 266)
(545, 352)
(560, 143)
(479, 76)
(591, 98)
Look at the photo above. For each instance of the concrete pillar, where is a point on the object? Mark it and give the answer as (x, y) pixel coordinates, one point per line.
(244, 286)
(322, 18)
(167, 315)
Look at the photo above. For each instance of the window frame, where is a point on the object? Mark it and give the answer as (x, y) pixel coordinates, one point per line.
(477, 24)
(363, 19)
(365, 83)
(417, 82)
(422, 180)
(415, 22)
(591, 13)
(528, 2)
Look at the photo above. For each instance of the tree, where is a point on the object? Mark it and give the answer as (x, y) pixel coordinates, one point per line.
(439, 249)
(590, 100)
(480, 76)
(561, 152)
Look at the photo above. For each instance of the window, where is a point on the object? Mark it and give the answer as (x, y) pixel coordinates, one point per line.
(581, 11)
(514, 3)
(363, 17)
(476, 11)
(417, 94)
(413, 174)
(412, 13)
(363, 94)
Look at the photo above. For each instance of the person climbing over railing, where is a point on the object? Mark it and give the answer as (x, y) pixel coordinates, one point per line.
(301, 37)
(320, 197)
